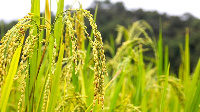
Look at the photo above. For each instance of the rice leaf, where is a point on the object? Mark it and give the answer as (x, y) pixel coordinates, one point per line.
(58, 23)
(142, 78)
(186, 75)
(117, 90)
(40, 84)
(55, 82)
(29, 97)
(164, 90)
(166, 60)
(9, 80)
(115, 76)
(196, 100)
(193, 100)
(160, 51)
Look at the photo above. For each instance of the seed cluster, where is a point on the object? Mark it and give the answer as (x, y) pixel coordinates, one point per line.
(9, 43)
(79, 27)
(71, 33)
(99, 59)
(27, 52)
(22, 91)
(76, 30)
(67, 38)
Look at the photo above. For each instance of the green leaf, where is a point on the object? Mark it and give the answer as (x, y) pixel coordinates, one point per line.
(9, 79)
(58, 24)
(40, 84)
(160, 51)
(196, 100)
(116, 92)
(164, 90)
(55, 83)
(194, 90)
(186, 75)
(166, 59)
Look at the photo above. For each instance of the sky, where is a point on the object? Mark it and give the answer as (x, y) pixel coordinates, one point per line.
(16, 9)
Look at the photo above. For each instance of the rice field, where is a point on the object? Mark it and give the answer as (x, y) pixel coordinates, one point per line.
(60, 66)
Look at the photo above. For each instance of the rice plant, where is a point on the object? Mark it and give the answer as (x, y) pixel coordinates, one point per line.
(48, 65)
(58, 66)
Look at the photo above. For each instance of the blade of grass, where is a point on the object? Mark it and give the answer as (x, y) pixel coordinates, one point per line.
(196, 100)
(35, 9)
(196, 75)
(180, 74)
(164, 90)
(166, 59)
(47, 18)
(186, 77)
(55, 83)
(115, 76)
(116, 92)
(187, 54)
(194, 89)
(58, 24)
(142, 79)
(160, 51)
(9, 80)
(49, 38)
(40, 84)
(82, 83)
(140, 96)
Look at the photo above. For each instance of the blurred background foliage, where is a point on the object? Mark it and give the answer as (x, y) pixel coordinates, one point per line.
(173, 28)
